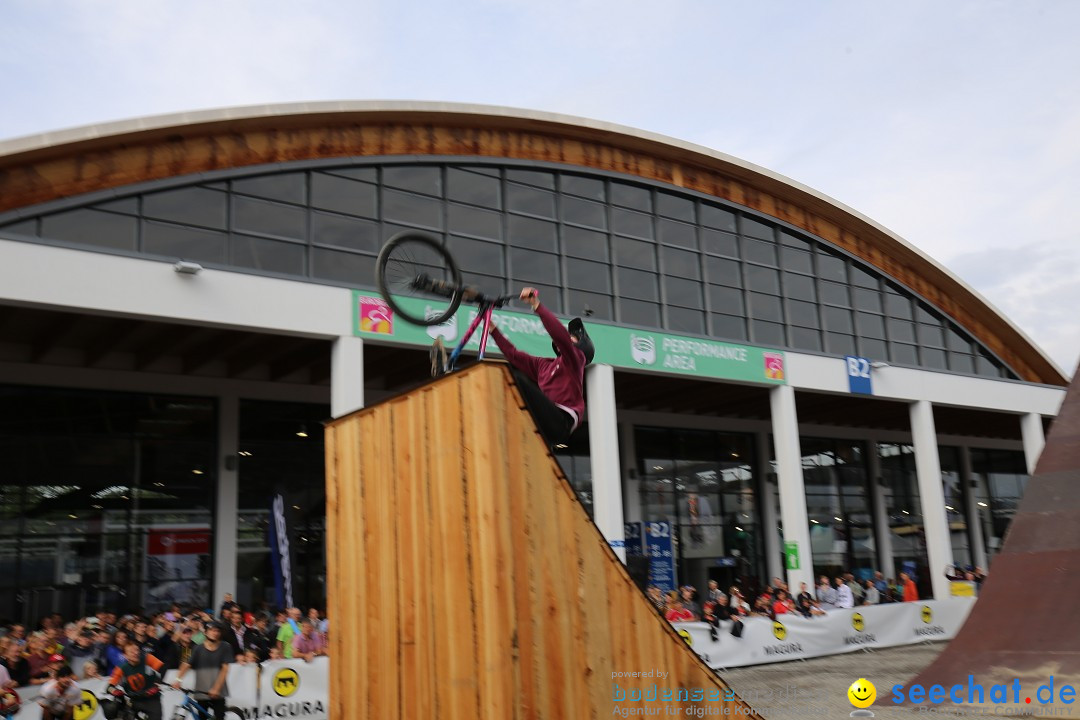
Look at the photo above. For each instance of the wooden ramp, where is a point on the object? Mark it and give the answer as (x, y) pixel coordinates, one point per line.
(465, 579)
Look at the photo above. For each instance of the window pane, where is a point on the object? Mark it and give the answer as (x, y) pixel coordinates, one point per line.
(796, 260)
(367, 174)
(584, 275)
(269, 255)
(286, 187)
(637, 284)
(863, 278)
(677, 233)
(796, 243)
(728, 326)
(531, 233)
(520, 198)
(346, 232)
(191, 206)
(686, 320)
(719, 243)
(834, 293)
(804, 314)
(838, 319)
(417, 178)
(726, 300)
(806, 339)
(840, 344)
(766, 307)
(898, 306)
(763, 279)
(474, 221)
(956, 341)
(756, 228)
(342, 266)
(410, 209)
(89, 227)
(768, 333)
(799, 287)
(600, 305)
(931, 335)
(631, 196)
(330, 192)
(867, 299)
(588, 244)
(634, 312)
(759, 252)
(539, 178)
(683, 292)
(901, 331)
(960, 362)
(184, 243)
(584, 212)
(676, 207)
(477, 255)
(628, 222)
(269, 218)
(126, 206)
(681, 263)
(831, 267)
(717, 217)
(24, 227)
(590, 188)
(874, 349)
(635, 254)
(724, 272)
(870, 326)
(933, 358)
(535, 266)
(904, 354)
(469, 187)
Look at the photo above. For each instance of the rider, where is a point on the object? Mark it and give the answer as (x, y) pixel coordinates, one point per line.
(138, 675)
(553, 387)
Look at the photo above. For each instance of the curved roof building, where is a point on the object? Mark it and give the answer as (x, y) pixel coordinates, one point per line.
(775, 369)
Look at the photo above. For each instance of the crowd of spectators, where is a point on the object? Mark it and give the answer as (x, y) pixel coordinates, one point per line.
(58, 652)
(842, 591)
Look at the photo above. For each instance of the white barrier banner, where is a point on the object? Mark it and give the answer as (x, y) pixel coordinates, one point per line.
(293, 689)
(793, 637)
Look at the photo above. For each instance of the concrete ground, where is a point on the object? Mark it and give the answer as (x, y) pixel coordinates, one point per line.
(818, 688)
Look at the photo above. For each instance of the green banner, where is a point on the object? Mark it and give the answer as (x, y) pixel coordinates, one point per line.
(617, 346)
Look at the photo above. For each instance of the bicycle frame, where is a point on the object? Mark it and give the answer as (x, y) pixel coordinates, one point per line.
(486, 310)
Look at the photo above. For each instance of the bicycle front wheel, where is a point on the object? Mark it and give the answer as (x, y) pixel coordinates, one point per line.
(414, 270)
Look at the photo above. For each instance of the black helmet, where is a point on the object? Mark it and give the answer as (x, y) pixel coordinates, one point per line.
(576, 328)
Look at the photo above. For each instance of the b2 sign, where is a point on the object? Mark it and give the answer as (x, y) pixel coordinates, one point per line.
(858, 372)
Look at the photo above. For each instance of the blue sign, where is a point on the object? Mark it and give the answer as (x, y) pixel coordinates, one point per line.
(858, 375)
(661, 558)
(280, 555)
(726, 562)
(632, 533)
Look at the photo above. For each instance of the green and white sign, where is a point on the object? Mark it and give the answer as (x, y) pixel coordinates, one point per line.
(617, 346)
(791, 555)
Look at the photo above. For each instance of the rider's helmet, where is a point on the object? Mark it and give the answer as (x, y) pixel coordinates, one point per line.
(576, 328)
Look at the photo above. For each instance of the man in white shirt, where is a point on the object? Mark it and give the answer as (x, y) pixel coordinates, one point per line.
(844, 598)
(60, 696)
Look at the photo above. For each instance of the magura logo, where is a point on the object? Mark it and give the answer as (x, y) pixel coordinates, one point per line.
(779, 631)
(642, 349)
(87, 706)
(857, 622)
(927, 614)
(685, 635)
(286, 682)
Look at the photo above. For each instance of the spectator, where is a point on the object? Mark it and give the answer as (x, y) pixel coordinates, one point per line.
(42, 663)
(310, 643)
(911, 593)
(250, 657)
(656, 598)
(6, 683)
(677, 613)
(18, 634)
(60, 696)
(804, 600)
(138, 675)
(81, 652)
(16, 664)
(258, 639)
(275, 653)
(844, 598)
(235, 632)
(227, 604)
(288, 631)
(90, 670)
(141, 637)
(826, 594)
(114, 652)
(319, 623)
(782, 604)
(763, 606)
(871, 596)
(179, 648)
(714, 593)
(857, 592)
(689, 592)
(881, 585)
(211, 662)
(737, 604)
(815, 609)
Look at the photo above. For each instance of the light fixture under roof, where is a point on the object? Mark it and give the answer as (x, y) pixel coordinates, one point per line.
(186, 267)
(196, 471)
(302, 432)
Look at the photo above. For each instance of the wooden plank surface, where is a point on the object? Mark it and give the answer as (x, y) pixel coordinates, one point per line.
(466, 579)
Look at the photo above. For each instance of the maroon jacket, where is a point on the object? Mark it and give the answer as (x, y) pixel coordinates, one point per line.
(561, 378)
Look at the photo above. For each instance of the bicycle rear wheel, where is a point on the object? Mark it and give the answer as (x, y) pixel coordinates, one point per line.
(413, 266)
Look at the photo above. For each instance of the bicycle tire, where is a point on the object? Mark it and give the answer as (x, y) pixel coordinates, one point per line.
(234, 711)
(407, 256)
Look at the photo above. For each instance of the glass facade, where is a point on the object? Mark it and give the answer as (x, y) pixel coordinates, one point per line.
(619, 248)
(838, 507)
(903, 507)
(702, 483)
(1000, 479)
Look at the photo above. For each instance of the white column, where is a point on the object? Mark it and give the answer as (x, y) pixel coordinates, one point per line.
(880, 513)
(785, 424)
(346, 376)
(1031, 430)
(931, 494)
(631, 485)
(604, 448)
(774, 564)
(228, 498)
(971, 509)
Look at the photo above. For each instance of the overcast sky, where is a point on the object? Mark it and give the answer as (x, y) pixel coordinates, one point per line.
(954, 123)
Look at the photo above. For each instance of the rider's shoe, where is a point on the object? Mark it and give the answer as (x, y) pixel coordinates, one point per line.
(437, 355)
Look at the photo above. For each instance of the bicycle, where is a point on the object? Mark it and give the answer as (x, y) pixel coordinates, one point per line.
(414, 269)
(191, 706)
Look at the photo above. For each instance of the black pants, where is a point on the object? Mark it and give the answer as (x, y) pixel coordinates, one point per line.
(149, 705)
(554, 423)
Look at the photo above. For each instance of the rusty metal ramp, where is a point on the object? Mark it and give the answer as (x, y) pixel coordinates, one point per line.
(467, 581)
(1025, 625)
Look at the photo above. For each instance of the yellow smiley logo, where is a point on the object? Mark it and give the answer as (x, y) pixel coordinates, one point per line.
(857, 622)
(686, 637)
(87, 706)
(862, 693)
(779, 630)
(927, 614)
